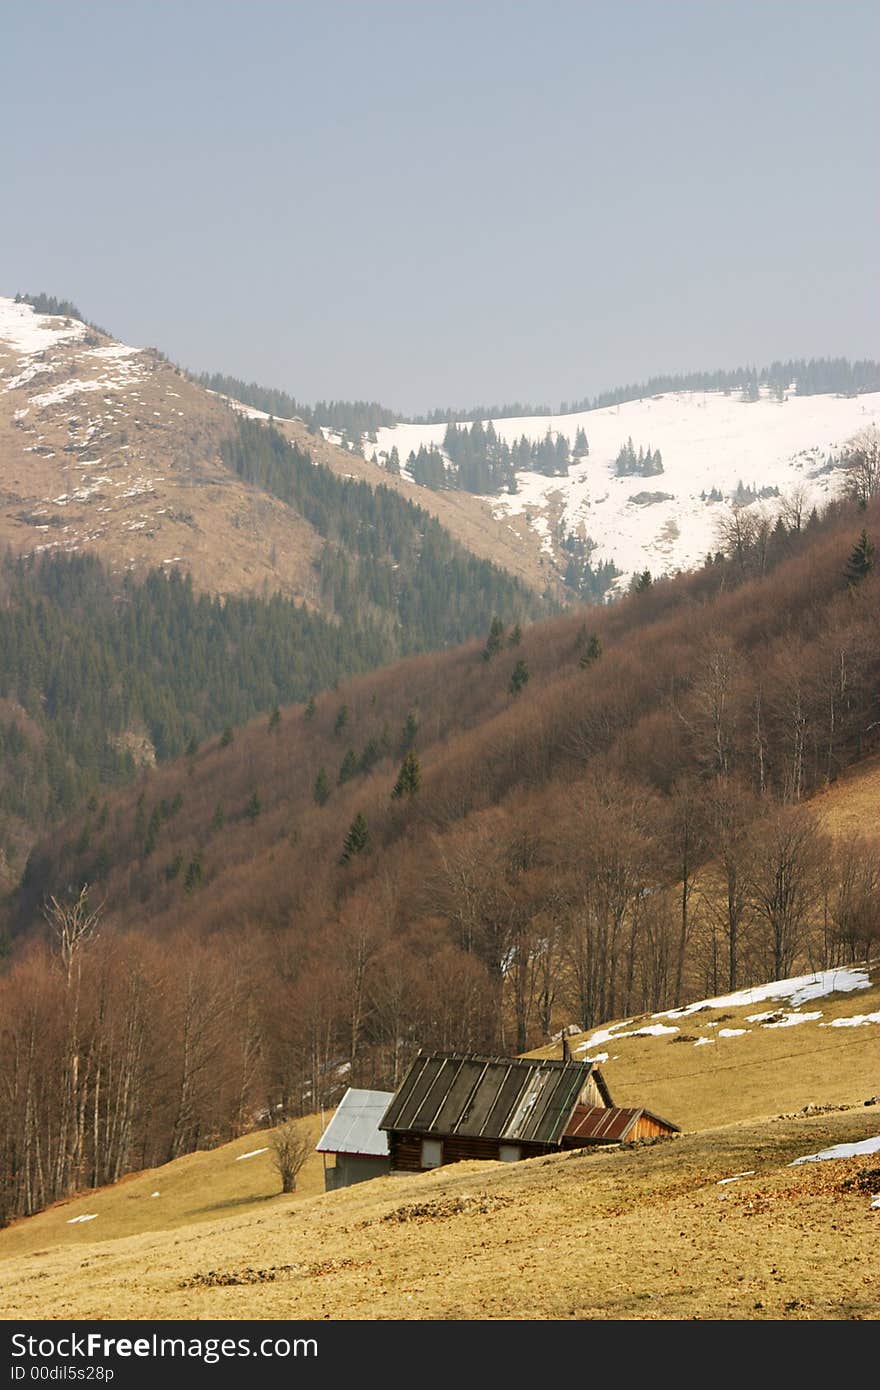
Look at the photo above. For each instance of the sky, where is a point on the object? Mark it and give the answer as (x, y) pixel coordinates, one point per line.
(445, 204)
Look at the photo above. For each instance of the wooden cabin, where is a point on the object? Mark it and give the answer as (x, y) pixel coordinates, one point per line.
(358, 1146)
(454, 1106)
(595, 1124)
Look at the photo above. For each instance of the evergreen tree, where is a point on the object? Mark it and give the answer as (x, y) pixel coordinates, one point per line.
(409, 777)
(349, 766)
(495, 639)
(310, 709)
(520, 678)
(592, 651)
(641, 582)
(253, 808)
(275, 718)
(515, 636)
(861, 561)
(357, 841)
(192, 747)
(369, 757)
(410, 729)
(219, 817)
(226, 737)
(321, 789)
(341, 719)
(193, 876)
(153, 831)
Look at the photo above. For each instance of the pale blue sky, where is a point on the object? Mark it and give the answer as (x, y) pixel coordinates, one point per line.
(437, 204)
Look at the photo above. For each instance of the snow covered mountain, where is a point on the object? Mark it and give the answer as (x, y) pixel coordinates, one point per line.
(715, 447)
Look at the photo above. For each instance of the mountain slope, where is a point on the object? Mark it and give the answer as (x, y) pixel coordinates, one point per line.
(111, 448)
(710, 442)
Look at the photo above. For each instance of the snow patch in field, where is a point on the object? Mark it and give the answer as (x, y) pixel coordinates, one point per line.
(732, 1032)
(602, 1035)
(749, 1173)
(866, 1146)
(114, 352)
(653, 1030)
(791, 1020)
(701, 1042)
(252, 1153)
(90, 1216)
(797, 990)
(854, 1021)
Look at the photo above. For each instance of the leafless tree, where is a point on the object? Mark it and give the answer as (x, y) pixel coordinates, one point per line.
(862, 463)
(290, 1146)
(737, 531)
(785, 882)
(794, 507)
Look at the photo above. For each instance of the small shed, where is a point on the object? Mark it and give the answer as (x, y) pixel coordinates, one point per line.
(353, 1136)
(594, 1124)
(454, 1106)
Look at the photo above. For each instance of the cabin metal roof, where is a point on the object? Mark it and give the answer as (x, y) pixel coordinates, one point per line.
(354, 1128)
(517, 1099)
(608, 1125)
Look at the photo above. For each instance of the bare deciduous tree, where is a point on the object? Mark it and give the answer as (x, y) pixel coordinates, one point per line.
(291, 1146)
(786, 882)
(862, 463)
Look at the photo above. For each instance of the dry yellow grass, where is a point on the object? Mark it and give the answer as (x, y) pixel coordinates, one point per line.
(156, 488)
(852, 805)
(765, 1070)
(647, 1231)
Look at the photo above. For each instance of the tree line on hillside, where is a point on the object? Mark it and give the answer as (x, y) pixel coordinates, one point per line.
(350, 418)
(816, 376)
(92, 666)
(64, 308)
(477, 460)
(384, 560)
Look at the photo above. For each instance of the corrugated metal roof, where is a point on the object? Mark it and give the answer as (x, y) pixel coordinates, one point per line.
(520, 1099)
(608, 1125)
(354, 1128)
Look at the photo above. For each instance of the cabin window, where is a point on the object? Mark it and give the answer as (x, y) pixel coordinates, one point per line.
(432, 1153)
(510, 1153)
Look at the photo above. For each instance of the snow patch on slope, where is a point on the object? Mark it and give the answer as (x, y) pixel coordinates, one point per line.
(708, 441)
(27, 333)
(797, 990)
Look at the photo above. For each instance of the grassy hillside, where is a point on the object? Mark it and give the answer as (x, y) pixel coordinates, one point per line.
(655, 1231)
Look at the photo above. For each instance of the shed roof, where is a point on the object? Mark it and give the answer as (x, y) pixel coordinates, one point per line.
(354, 1128)
(527, 1099)
(609, 1124)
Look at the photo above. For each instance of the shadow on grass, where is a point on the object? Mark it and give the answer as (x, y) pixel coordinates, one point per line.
(232, 1202)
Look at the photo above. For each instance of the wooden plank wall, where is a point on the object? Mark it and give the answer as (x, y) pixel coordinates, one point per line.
(406, 1149)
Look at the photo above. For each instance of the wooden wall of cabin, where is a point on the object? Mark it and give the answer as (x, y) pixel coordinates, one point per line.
(406, 1149)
